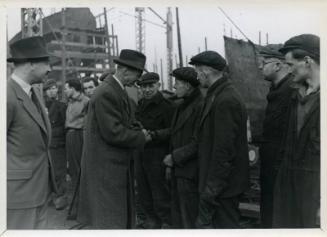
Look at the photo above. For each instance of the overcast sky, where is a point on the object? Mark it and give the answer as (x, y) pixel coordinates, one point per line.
(280, 21)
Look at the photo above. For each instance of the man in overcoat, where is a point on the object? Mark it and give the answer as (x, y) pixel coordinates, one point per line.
(297, 188)
(57, 116)
(185, 196)
(30, 177)
(154, 113)
(105, 198)
(275, 71)
(222, 145)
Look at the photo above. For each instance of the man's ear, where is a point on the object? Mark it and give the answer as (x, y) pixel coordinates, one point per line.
(308, 60)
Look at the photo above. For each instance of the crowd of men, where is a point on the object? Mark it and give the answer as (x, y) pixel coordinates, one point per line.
(158, 163)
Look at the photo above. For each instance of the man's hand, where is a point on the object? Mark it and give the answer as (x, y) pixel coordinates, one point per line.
(168, 160)
(147, 135)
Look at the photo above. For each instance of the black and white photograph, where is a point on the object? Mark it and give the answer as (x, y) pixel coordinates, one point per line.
(164, 117)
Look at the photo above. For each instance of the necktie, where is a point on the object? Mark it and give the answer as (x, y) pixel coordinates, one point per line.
(35, 100)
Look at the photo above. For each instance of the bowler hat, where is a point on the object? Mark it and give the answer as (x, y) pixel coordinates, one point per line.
(187, 74)
(48, 84)
(209, 58)
(28, 49)
(132, 59)
(271, 51)
(148, 78)
(306, 42)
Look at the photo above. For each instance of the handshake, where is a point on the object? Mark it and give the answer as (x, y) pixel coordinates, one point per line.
(149, 135)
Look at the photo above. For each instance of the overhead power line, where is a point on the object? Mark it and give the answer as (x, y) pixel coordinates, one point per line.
(153, 23)
(230, 19)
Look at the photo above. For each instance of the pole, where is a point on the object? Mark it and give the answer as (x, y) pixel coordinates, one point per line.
(267, 38)
(113, 40)
(169, 48)
(107, 35)
(161, 75)
(179, 39)
(259, 37)
(205, 43)
(63, 55)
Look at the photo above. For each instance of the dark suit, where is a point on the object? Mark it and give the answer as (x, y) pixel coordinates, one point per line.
(223, 156)
(106, 186)
(29, 166)
(185, 191)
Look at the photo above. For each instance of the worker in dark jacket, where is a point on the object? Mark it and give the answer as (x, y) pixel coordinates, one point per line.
(57, 116)
(222, 145)
(185, 169)
(155, 113)
(275, 71)
(297, 189)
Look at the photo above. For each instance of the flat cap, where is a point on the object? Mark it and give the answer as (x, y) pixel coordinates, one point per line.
(306, 42)
(271, 51)
(187, 74)
(48, 84)
(148, 78)
(209, 58)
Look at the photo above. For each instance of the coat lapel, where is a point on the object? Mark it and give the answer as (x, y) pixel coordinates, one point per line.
(211, 98)
(183, 117)
(29, 106)
(44, 115)
(313, 109)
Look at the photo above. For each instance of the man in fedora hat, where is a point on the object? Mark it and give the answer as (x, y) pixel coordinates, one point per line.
(222, 145)
(111, 136)
(155, 113)
(185, 169)
(30, 177)
(275, 71)
(297, 188)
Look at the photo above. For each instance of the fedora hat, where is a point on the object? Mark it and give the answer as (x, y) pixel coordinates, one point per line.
(28, 49)
(132, 59)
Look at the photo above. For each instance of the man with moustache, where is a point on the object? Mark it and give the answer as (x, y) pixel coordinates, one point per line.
(222, 145)
(30, 176)
(111, 136)
(297, 188)
(275, 71)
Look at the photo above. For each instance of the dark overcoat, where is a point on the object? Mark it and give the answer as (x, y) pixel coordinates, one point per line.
(297, 188)
(274, 125)
(222, 143)
(57, 117)
(29, 165)
(183, 129)
(106, 185)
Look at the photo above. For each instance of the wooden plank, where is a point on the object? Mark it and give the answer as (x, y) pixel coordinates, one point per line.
(80, 69)
(55, 42)
(72, 54)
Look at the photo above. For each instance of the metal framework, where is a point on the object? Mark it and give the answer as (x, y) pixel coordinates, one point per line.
(31, 22)
(140, 29)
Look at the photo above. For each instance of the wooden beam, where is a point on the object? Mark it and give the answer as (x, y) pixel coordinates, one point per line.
(55, 42)
(80, 69)
(72, 54)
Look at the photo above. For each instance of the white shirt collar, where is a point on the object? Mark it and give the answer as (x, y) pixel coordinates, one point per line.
(119, 82)
(25, 86)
